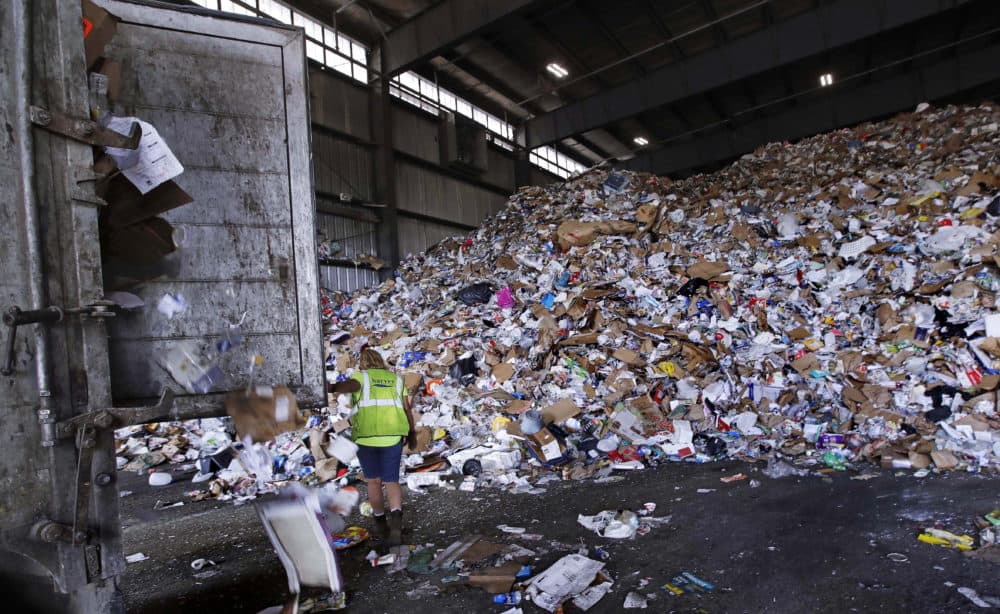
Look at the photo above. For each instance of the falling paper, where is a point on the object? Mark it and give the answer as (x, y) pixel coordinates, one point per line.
(149, 165)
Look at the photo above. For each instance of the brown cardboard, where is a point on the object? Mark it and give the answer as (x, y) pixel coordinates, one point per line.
(807, 363)
(425, 436)
(646, 214)
(341, 425)
(710, 271)
(495, 580)
(412, 381)
(584, 339)
(919, 461)
(545, 445)
(943, 459)
(102, 26)
(560, 412)
(517, 406)
(628, 357)
(145, 243)
(503, 372)
(264, 413)
(126, 205)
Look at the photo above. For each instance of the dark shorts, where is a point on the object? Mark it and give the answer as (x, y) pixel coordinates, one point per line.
(381, 463)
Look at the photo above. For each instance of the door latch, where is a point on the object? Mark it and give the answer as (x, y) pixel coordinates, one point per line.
(15, 316)
(85, 130)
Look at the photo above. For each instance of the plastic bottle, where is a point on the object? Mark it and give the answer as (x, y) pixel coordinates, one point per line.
(512, 598)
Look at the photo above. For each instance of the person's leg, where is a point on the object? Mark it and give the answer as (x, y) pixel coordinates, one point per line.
(390, 475)
(394, 493)
(371, 465)
(390, 461)
(375, 496)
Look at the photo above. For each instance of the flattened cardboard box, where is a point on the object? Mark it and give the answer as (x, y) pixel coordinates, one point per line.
(264, 412)
(545, 445)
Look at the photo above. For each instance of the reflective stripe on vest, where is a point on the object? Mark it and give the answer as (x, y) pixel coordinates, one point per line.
(366, 394)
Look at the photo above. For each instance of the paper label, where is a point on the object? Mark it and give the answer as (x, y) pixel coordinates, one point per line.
(281, 407)
(264, 391)
(149, 165)
(551, 451)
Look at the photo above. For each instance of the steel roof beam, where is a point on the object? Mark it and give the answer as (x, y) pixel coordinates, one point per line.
(441, 27)
(816, 31)
(877, 99)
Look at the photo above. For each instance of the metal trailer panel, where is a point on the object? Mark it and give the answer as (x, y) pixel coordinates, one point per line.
(229, 96)
(49, 255)
(249, 247)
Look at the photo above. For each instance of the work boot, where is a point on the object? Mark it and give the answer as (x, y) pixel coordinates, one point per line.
(395, 528)
(380, 526)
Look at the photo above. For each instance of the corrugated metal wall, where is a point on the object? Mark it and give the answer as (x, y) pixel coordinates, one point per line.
(420, 190)
(341, 166)
(416, 236)
(357, 239)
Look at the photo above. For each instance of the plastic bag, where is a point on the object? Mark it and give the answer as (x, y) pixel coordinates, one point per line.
(465, 370)
(476, 294)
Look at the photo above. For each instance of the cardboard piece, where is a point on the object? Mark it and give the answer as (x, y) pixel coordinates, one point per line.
(425, 436)
(99, 27)
(545, 445)
(944, 459)
(709, 271)
(412, 381)
(503, 372)
(560, 412)
(264, 412)
(572, 233)
(495, 580)
(126, 205)
(629, 357)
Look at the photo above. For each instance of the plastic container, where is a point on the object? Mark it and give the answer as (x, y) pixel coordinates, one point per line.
(160, 479)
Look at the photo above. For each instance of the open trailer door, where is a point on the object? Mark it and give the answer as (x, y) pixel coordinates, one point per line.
(228, 96)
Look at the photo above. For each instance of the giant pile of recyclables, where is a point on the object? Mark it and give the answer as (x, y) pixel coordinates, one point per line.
(822, 305)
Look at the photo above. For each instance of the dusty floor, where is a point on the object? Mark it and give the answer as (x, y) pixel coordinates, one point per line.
(806, 544)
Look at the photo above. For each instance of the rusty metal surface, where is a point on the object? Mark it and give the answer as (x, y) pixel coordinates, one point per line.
(230, 99)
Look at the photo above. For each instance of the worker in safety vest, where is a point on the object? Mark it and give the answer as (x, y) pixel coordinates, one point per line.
(383, 418)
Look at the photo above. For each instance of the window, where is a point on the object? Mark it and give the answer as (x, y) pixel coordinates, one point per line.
(348, 57)
(323, 45)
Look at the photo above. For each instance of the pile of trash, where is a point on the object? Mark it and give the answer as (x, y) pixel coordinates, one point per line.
(818, 305)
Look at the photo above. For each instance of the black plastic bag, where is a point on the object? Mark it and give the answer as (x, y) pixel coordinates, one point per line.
(464, 370)
(476, 294)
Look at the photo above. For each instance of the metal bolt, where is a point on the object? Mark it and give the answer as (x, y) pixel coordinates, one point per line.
(43, 117)
(51, 532)
(85, 128)
(103, 420)
(102, 479)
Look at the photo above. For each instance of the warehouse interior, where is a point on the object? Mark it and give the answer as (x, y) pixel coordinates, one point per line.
(684, 305)
(660, 87)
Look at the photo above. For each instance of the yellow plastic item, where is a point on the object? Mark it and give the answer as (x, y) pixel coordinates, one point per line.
(667, 367)
(500, 422)
(946, 539)
(439, 434)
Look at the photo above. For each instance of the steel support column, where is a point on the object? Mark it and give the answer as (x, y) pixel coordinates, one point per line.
(385, 167)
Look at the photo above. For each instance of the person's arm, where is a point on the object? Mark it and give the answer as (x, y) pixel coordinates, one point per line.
(411, 437)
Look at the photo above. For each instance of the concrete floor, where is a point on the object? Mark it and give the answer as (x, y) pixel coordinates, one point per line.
(809, 544)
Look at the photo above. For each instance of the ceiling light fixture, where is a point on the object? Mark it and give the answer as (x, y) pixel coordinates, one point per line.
(640, 141)
(825, 80)
(557, 71)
